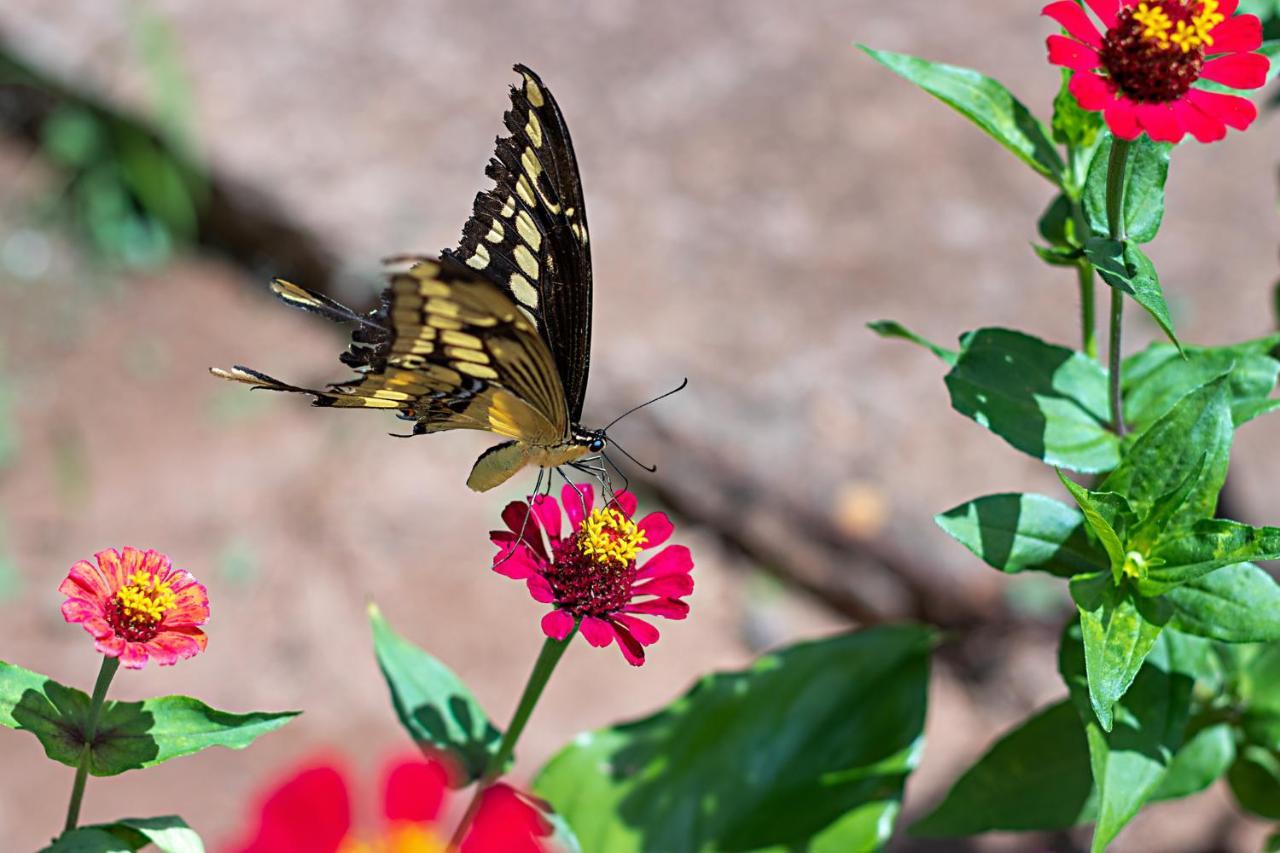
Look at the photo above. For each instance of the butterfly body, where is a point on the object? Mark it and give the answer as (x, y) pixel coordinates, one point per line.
(494, 335)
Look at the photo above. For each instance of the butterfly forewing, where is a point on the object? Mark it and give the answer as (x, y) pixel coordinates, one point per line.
(529, 233)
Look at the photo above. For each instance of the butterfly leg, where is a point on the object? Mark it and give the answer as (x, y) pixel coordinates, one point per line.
(528, 514)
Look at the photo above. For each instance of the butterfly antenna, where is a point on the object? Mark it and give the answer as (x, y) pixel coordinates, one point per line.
(675, 390)
(652, 469)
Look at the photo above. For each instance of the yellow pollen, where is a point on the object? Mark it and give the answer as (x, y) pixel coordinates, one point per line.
(1155, 22)
(608, 536)
(403, 837)
(146, 599)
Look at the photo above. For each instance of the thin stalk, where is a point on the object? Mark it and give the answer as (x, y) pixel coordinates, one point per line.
(552, 651)
(1117, 180)
(105, 674)
(1088, 321)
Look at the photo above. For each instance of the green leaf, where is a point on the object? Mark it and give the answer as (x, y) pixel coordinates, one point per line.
(894, 329)
(1236, 604)
(169, 834)
(1201, 761)
(1272, 844)
(433, 704)
(1144, 195)
(1199, 427)
(1125, 267)
(1119, 631)
(1036, 777)
(1255, 781)
(1045, 400)
(1024, 532)
(1103, 512)
(1130, 762)
(807, 749)
(130, 735)
(1190, 554)
(1077, 128)
(983, 101)
(1156, 378)
(1259, 679)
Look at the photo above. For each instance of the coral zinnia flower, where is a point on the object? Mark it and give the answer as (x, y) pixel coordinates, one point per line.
(310, 812)
(137, 606)
(1141, 72)
(590, 575)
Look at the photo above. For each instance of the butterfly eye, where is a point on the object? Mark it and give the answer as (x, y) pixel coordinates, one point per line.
(596, 445)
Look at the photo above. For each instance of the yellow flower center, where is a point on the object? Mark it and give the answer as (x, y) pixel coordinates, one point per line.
(1189, 32)
(145, 601)
(404, 837)
(609, 537)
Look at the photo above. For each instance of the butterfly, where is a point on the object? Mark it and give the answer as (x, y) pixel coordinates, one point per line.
(496, 334)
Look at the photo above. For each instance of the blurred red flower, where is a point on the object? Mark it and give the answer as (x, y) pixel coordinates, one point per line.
(1141, 70)
(137, 606)
(590, 575)
(309, 811)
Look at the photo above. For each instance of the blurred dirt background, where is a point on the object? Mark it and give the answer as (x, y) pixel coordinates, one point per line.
(758, 191)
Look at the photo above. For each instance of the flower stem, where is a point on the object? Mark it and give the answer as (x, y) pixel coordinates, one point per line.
(105, 674)
(1088, 322)
(1117, 180)
(552, 651)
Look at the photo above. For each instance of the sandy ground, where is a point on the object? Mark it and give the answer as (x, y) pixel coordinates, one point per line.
(758, 190)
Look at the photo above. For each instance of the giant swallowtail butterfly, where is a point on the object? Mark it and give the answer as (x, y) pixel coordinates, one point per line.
(496, 334)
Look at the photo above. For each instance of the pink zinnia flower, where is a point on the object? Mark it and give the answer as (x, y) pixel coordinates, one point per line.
(590, 575)
(137, 606)
(310, 811)
(1141, 71)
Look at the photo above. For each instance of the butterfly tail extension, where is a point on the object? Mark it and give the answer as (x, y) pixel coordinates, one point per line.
(337, 398)
(317, 303)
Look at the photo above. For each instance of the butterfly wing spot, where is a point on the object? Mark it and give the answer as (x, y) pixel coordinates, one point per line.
(461, 339)
(529, 162)
(496, 232)
(444, 323)
(479, 371)
(528, 231)
(526, 294)
(462, 354)
(532, 91)
(528, 263)
(480, 259)
(525, 191)
(533, 130)
(508, 207)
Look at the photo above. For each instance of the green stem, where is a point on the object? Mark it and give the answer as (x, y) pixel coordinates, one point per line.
(1088, 321)
(552, 651)
(105, 674)
(1117, 180)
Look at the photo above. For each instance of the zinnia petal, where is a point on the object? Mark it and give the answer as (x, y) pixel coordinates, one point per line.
(657, 528)
(111, 645)
(504, 823)
(578, 501)
(111, 567)
(1227, 8)
(309, 812)
(1204, 127)
(627, 503)
(1091, 91)
(645, 633)
(1106, 11)
(414, 790)
(517, 562)
(1231, 110)
(1122, 118)
(541, 589)
(1074, 20)
(667, 586)
(134, 656)
(674, 559)
(1070, 53)
(90, 582)
(78, 610)
(1237, 70)
(548, 512)
(596, 631)
(630, 646)
(1239, 34)
(668, 608)
(557, 624)
(1159, 122)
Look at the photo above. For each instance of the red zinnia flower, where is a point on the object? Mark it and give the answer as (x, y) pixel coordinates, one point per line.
(137, 605)
(310, 812)
(590, 575)
(1141, 72)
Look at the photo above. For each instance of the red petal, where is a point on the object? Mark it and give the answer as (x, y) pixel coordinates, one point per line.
(524, 526)
(672, 560)
(1228, 7)
(414, 790)
(78, 610)
(1091, 91)
(1238, 70)
(597, 632)
(85, 581)
(645, 634)
(1232, 110)
(110, 645)
(626, 502)
(540, 589)
(668, 586)
(517, 563)
(1201, 125)
(657, 528)
(1241, 34)
(1074, 20)
(1159, 122)
(504, 823)
(1122, 118)
(134, 656)
(1070, 53)
(110, 567)
(668, 608)
(309, 813)
(557, 624)
(578, 501)
(548, 512)
(169, 647)
(630, 646)
(1106, 11)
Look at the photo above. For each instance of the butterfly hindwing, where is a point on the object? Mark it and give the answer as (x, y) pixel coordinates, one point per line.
(529, 233)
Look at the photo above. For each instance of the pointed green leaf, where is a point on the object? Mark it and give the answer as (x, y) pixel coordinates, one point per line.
(1026, 532)
(1144, 195)
(1119, 631)
(894, 329)
(807, 749)
(1255, 781)
(130, 735)
(1236, 604)
(1165, 509)
(983, 101)
(433, 704)
(1073, 126)
(1035, 777)
(1201, 761)
(1125, 267)
(169, 834)
(1210, 545)
(1103, 512)
(1045, 400)
(1130, 762)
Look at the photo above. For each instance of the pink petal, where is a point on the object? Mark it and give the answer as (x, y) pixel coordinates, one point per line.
(630, 646)
(1228, 7)
(111, 567)
(548, 512)
(134, 656)
(645, 634)
(657, 528)
(668, 586)
(1091, 91)
(626, 502)
(1159, 122)
(524, 525)
(1238, 70)
(85, 581)
(557, 624)
(578, 501)
(1074, 20)
(1070, 53)
(596, 631)
(99, 629)
(154, 563)
(517, 562)
(672, 560)
(1106, 11)
(1122, 118)
(668, 608)
(131, 560)
(78, 610)
(1204, 127)
(1241, 34)
(112, 646)
(1231, 110)
(414, 790)
(540, 589)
